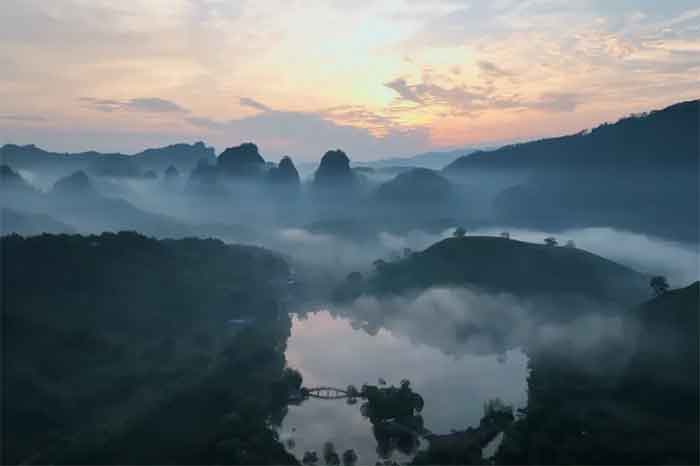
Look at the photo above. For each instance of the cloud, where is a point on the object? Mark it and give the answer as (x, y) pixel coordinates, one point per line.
(307, 135)
(404, 90)
(466, 100)
(357, 115)
(154, 104)
(557, 102)
(207, 123)
(247, 102)
(559, 55)
(491, 70)
(142, 104)
(21, 117)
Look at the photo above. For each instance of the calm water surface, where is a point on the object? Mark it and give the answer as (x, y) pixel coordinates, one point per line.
(328, 351)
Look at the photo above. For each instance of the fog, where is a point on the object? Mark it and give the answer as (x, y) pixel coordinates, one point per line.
(461, 321)
(344, 255)
(253, 213)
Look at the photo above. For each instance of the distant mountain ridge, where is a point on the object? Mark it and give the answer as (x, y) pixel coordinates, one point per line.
(420, 185)
(73, 203)
(434, 160)
(638, 174)
(184, 157)
(667, 137)
(28, 224)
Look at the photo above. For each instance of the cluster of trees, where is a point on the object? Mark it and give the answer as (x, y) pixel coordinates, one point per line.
(330, 457)
(552, 241)
(466, 447)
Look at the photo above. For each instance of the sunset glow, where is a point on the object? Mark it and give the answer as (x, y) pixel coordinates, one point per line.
(375, 78)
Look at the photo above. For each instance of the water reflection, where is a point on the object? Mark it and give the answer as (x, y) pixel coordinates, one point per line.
(328, 351)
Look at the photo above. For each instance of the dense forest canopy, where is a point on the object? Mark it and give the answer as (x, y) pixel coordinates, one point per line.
(123, 331)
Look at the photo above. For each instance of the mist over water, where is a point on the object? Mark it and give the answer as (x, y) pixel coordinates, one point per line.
(460, 321)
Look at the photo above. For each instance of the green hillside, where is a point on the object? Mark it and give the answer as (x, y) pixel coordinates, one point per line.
(499, 264)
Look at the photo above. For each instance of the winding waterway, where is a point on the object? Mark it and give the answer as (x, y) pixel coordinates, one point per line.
(328, 351)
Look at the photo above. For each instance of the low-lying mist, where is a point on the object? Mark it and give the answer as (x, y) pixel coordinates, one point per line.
(460, 320)
(342, 254)
(253, 213)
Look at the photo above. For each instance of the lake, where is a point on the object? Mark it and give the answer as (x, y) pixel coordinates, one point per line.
(329, 350)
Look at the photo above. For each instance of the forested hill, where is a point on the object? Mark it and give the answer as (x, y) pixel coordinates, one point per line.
(639, 174)
(512, 266)
(135, 336)
(630, 401)
(665, 138)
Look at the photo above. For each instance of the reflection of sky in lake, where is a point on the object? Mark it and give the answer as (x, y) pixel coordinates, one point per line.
(328, 351)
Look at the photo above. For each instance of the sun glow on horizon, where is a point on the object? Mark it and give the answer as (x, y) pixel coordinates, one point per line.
(393, 77)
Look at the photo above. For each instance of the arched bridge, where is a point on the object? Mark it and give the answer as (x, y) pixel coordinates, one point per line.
(327, 393)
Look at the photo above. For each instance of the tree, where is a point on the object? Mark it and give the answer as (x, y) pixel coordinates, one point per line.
(497, 412)
(310, 458)
(659, 284)
(550, 241)
(505, 235)
(349, 458)
(171, 172)
(330, 456)
(570, 244)
(459, 232)
(379, 264)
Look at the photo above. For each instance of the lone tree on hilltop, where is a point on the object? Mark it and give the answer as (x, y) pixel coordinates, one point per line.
(659, 284)
(551, 241)
(459, 232)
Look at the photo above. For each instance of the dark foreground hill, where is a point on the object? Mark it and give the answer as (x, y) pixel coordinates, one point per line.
(498, 264)
(584, 409)
(120, 349)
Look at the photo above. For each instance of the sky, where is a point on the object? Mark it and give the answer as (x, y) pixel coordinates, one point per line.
(299, 77)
